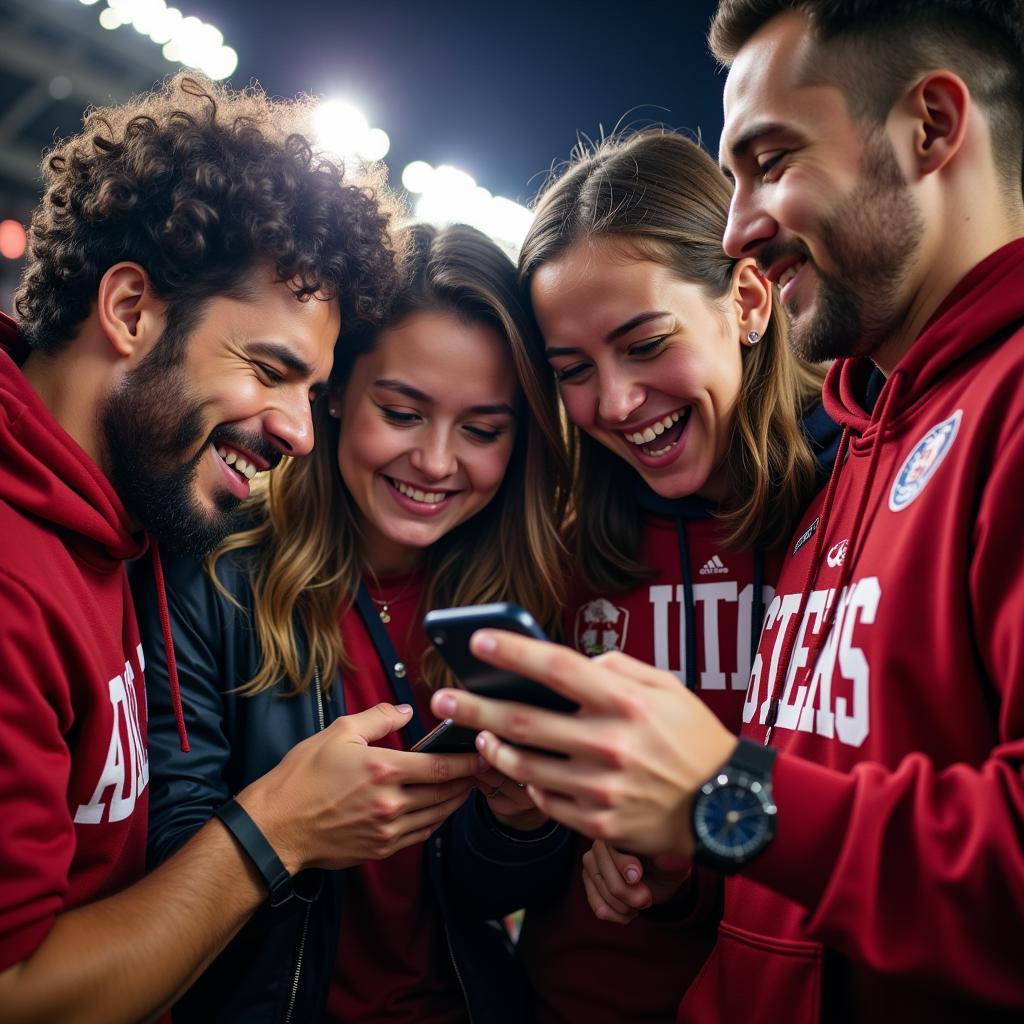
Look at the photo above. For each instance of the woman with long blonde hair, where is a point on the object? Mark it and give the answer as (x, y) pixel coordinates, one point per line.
(438, 478)
(698, 439)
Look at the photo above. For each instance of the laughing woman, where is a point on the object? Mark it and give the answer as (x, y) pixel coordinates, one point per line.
(437, 479)
(699, 440)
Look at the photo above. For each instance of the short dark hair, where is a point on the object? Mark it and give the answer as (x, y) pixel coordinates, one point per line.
(873, 49)
(200, 184)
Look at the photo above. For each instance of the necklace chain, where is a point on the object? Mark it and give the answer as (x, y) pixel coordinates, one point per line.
(383, 612)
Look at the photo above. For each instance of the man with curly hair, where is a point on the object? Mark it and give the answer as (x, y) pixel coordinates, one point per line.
(192, 263)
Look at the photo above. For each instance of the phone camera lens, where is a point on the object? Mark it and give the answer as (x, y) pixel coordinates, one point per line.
(438, 639)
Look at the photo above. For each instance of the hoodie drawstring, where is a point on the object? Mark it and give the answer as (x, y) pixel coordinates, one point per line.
(172, 665)
(757, 605)
(816, 645)
(688, 606)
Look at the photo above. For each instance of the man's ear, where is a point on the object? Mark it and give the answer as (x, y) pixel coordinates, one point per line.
(937, 106)
(130, 314)
(752, 295)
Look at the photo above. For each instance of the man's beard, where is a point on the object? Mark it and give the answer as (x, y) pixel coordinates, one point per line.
(872, 238)
(151, 423)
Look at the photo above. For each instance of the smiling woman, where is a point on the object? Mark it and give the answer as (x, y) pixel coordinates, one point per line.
(695, 431)
(439, 478)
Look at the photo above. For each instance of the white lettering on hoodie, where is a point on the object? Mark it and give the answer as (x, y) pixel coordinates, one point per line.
(126, 768)
(833, 706)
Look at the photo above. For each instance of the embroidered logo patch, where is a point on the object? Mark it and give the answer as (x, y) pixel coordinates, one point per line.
(922, 462)
(806, 535)
(600, 626)
(837, 554)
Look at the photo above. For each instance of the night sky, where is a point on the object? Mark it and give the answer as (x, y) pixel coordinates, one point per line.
(499, 90)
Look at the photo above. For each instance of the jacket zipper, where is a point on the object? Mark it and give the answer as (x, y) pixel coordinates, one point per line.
(309, 906)
(451, 950)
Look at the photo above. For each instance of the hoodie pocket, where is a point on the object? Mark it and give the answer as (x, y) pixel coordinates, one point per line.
(756, 979)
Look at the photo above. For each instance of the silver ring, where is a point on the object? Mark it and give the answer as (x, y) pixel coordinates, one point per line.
(521, 785)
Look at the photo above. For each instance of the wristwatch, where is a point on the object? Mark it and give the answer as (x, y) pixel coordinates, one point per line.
(733, 812)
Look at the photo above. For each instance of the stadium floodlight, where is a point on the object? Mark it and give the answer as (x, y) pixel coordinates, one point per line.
(343, 130)
(416, 176)
(184, 40)
(448, 195)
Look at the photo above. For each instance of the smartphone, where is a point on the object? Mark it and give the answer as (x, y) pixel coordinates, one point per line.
(449, 630)
(447, 738)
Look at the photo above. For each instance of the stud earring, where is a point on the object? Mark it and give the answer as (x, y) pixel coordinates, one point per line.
(753, 337)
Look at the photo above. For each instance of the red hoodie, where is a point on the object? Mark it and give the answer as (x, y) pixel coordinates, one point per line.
(696, 617)
(894, 888)
(73, 767)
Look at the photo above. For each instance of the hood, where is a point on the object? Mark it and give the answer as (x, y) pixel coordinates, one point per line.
(988, 300)
(45, 472)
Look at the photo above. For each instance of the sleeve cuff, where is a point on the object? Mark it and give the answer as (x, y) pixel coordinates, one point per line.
(814, 805)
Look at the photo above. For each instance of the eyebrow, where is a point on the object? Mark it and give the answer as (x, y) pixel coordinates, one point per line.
(390, 384)
(283, 355)
(738, 150)
(613, 335)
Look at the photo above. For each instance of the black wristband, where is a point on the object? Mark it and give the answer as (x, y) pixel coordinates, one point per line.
(260, 852)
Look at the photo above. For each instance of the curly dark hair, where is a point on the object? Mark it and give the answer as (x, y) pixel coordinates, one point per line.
(198, 184)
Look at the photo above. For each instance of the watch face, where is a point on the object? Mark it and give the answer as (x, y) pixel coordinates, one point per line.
(733, 820)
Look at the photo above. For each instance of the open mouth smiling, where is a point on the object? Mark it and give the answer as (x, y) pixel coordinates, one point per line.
(418, 495)
(662, 435)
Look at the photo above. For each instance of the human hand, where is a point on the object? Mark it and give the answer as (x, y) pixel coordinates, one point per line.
(335, 801)
(634, 755)
(619, 885)
(509, 801)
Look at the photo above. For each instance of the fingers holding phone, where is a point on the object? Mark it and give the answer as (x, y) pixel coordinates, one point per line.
(358, 802)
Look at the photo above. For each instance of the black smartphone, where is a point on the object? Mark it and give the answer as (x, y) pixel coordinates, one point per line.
(449, 630)
(447, 738)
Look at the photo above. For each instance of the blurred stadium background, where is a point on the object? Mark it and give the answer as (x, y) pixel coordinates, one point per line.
(456, 89)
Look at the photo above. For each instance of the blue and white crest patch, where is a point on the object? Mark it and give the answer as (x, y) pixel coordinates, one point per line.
(922, 462)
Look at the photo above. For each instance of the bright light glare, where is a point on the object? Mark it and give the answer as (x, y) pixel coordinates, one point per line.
(416, 176)
(342, 130)
(448, 195)
(185, 40)
(375, 145)
(111, 18)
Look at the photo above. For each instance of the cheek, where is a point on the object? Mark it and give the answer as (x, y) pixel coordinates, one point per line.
(365, 446)
(487, 469)
(578, 401)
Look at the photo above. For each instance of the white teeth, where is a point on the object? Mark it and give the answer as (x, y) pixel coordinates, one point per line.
(789, 274)
(232, 458)
(651, 432)
(426, 497)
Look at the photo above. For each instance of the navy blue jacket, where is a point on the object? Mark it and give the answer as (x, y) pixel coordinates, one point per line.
(279, 967)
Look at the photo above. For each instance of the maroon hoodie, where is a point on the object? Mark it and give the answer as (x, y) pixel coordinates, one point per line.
(73, 766)
(894, 889)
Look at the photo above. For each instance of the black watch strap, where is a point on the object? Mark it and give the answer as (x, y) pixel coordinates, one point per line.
(259, 851)
(755, 758)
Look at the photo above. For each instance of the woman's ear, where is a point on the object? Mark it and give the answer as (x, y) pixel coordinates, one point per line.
(131, 316)
(752, 295)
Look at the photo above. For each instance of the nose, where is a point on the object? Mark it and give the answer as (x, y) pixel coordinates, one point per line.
(619, 396)
(749, 226)
(289, 427)
(434, 456)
